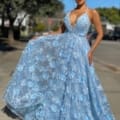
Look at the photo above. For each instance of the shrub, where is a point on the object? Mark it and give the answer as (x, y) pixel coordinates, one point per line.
(55, 27)
(39, 27)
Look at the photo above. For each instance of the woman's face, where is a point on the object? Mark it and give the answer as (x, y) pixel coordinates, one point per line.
(80, 2)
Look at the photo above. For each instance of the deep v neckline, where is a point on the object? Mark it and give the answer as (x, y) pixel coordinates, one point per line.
(69, 16)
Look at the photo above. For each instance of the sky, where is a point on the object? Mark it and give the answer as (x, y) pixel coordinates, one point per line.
(70, 4)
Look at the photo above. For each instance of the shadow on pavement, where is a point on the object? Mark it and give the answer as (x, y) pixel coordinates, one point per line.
(5, 47)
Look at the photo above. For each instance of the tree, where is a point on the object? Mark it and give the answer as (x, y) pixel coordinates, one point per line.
(11, 8)
(111, 14)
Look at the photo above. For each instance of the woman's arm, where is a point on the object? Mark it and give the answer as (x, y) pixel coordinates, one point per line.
(98, 26)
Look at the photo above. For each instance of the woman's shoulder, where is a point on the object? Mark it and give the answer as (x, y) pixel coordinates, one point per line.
(93, 11)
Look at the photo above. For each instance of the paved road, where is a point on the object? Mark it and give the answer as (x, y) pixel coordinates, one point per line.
(109, 52)
(107, 61)
(107, 57)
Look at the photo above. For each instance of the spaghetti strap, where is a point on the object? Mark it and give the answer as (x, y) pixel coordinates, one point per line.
(86, 10)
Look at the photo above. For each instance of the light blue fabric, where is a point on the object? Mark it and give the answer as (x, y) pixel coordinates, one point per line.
(54, 81)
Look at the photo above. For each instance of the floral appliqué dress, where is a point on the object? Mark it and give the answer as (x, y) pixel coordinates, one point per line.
(54, 81)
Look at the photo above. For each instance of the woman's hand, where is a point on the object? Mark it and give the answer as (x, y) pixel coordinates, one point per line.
(90, 57)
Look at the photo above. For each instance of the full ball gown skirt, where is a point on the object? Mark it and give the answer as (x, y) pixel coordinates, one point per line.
(54, 81)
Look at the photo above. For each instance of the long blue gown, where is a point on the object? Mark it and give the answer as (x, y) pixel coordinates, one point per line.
(54, 81)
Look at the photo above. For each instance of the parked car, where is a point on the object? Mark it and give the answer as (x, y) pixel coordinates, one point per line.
(91, 36)
(116, 33)
(113, 35)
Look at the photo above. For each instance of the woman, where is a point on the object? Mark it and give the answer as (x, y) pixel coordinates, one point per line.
(55, 77)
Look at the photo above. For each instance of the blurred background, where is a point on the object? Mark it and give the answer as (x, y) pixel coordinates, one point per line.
(21, 20)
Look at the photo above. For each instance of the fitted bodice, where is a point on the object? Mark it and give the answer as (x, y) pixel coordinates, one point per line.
(81, 26)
